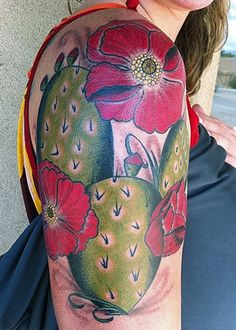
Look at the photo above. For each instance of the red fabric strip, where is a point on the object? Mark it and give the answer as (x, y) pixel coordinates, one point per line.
(29, 204)
(194, 122)
(132, 4)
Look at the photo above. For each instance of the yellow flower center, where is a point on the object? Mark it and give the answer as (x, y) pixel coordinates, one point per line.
(50, 215)
(146, 69)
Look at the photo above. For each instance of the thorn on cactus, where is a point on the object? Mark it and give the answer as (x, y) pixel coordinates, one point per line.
(72, 57)
(56, 152)
(65, 126)
(55, 104)
(79, 145)
(75, 164)
(126, 192)
(105, 238)
(46, 127)
(136, 275)
(111, 294)
(99, 195)
(59, 62)
(44, 83)
(166, 183)
(74, 108)
(90, 125)
(140, 294)
(82, 90)
(64, 89)
(136, 225)
(104, 262)
(117, 209)
(114, 179)
(133, 251)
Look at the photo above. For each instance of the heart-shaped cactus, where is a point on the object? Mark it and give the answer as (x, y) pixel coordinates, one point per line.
(175, 157)
(117, 267)
(71, 133)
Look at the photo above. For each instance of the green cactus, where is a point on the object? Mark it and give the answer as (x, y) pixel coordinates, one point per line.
(175, 157)
(117, 267)
(70, 132)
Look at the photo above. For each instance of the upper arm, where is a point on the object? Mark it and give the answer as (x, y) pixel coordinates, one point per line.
(112, 150)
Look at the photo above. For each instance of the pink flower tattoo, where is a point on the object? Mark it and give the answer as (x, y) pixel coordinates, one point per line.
(139, 75)
(167, 227)
(68, 221)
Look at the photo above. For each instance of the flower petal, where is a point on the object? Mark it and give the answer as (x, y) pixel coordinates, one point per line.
(59, 241)
(48, 185)
(47, 164)
(120, 111)
(134, 159)
(117, 42)
(173, 241)
(173, 199)
(159, 108)
(154, 238)
(167, 219)
(72, 204)
(90, 230)
(160, 43)
(172, 59)
(107, 83)
(167, 227)
(125, 41)
(161, 206)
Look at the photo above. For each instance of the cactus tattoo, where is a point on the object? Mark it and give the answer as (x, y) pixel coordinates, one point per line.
(114, 211)
(70, 131)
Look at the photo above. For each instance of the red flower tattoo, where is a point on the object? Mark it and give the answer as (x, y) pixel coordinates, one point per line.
(68, 221)
(139, 75)
(168, 222)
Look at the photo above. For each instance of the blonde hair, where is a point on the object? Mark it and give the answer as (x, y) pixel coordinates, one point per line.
(203, 32)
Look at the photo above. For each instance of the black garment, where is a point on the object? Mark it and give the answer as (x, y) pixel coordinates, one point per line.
(209, 259)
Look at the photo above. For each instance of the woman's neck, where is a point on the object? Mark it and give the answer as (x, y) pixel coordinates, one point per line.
(166, 18)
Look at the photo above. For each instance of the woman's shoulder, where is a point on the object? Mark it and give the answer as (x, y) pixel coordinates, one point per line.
(72, 32)
(113, 43)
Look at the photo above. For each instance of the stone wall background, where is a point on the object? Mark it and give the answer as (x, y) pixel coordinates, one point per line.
(23, 26)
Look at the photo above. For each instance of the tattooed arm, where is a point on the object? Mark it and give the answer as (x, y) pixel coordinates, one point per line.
(112, 148)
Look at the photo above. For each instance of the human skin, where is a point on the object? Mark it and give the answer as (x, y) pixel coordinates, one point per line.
(185, 4)
(86, 208)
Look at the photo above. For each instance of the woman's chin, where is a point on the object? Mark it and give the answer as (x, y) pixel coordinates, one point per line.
(192, 4)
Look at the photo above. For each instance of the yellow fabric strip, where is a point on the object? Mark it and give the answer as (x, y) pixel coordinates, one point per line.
(20, 159)
(23, 160)
(30, 181)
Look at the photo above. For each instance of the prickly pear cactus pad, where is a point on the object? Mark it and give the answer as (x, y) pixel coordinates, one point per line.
(112, 155)
(70, 131)
(117, 265)
(175, 157)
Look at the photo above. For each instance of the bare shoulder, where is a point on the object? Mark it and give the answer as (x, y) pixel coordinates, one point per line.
(72, 35)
